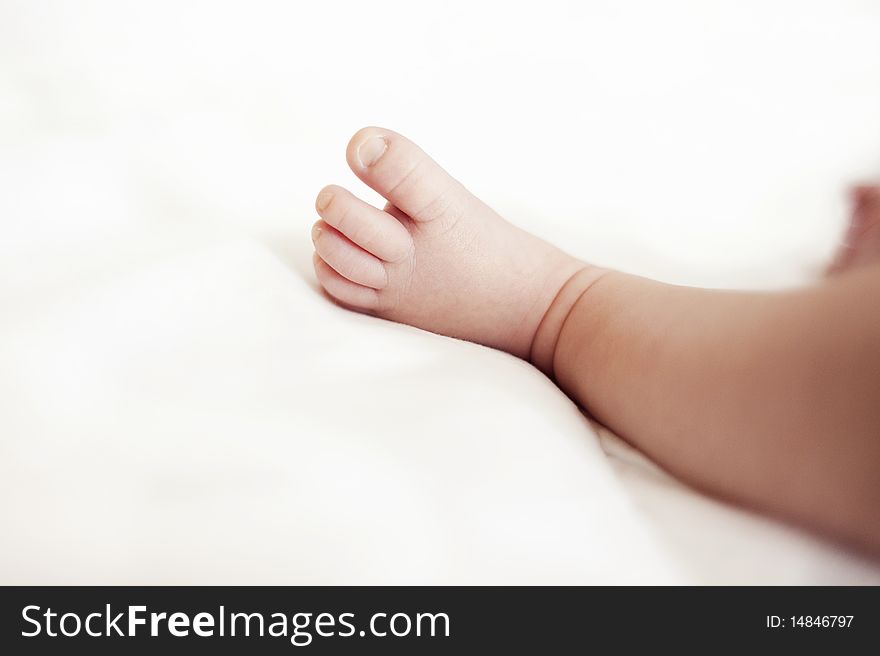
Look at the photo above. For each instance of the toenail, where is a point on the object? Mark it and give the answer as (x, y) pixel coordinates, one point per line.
(323, 200)
(316, 232)
(371, 150)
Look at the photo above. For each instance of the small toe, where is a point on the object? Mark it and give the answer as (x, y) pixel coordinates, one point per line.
(348, 259)
(343, 290)
(370, 228)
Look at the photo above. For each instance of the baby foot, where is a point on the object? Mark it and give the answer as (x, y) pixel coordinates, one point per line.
(862, 242)
(438, 258)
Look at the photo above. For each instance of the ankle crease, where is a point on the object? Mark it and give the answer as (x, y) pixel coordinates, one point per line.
(545, 343)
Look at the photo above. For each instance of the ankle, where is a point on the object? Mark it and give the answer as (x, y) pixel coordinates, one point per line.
(544, 345)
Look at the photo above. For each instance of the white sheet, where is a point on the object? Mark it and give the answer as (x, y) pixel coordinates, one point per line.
(178, 402)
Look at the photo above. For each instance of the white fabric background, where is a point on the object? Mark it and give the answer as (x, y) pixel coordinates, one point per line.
(179, 404)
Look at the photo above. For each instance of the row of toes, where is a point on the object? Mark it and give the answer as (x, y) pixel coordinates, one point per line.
(357, 245)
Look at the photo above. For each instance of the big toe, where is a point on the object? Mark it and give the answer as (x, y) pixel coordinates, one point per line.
(405, 175)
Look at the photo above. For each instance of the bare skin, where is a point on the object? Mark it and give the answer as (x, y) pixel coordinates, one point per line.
(769, 400)
(861, 245)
